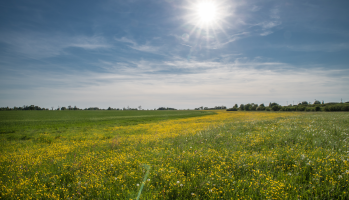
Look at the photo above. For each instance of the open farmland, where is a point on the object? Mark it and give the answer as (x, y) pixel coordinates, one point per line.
(173, 155)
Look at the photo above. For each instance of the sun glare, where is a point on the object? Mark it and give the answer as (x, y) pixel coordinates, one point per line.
(206, 21)
(206, 12)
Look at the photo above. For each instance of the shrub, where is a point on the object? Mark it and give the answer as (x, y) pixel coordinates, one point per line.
(254, 107)
(308, 109)
(317, 108)
(260, 108)
(275, 107)
(287, 109)
(345, 108)
(232, 109)
(248, 107)
(300, 108)
(317, 102)
(242, 107)
(336, 107)
(304, 103)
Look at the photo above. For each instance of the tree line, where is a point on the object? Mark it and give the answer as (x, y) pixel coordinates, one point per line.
(33, 107)
(214, 108)
(303, 106)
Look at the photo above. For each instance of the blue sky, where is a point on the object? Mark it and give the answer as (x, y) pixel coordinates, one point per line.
(153, 53)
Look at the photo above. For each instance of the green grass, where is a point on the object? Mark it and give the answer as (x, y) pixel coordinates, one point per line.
(301, 156)
(24, 125)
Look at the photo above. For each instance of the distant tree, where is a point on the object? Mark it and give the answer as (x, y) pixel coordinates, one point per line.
(261, 107)
(254, 106)
(139, 107)
(248, 107)
(242, 107)
(236, 106)
(276, 107)
(304, 103)
(273, 104)
(317, 102)
(109, 108)
(300, 108)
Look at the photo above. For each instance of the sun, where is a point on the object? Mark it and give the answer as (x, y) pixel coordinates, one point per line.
(205, 22)
(206, 12)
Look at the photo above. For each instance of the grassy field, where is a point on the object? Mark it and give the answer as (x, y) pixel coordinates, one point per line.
(174, 155)
(24, 125)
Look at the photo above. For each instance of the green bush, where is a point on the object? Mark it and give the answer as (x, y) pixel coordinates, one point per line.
(260, 108)
(336, 107)
(276, 107)
(248, 107)
(288, 108)
(242, 107)
(309, 109)
(345, 108)
(300, 108)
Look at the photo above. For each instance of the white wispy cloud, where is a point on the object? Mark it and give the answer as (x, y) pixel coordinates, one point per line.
(325, 47)
(233, 38)
(269, 24)
(274, 13)
(180, 83)
(41, 45)
(147, 47)
(126, 40)
(84, 42)
(255, 8)
(266, 33)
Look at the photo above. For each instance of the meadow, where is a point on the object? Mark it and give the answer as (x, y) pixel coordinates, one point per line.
(174, 155)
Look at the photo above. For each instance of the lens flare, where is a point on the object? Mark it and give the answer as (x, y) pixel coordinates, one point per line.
(206, 12)
(205, 23)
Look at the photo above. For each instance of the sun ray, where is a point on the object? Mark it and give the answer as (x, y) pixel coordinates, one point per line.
(208, 19)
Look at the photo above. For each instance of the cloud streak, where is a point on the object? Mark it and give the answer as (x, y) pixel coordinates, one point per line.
(144, 48)
(238, 82)
(42, 45)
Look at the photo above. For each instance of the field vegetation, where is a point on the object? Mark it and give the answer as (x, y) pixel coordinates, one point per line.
(304, 106)
(174, 155)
